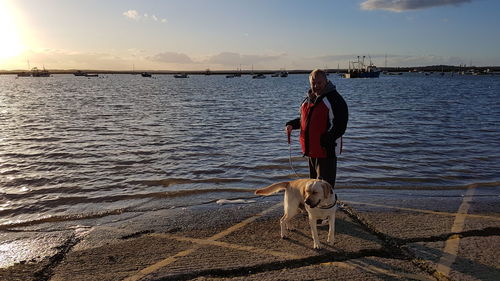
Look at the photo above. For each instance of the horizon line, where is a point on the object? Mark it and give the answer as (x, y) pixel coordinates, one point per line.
(219, 71)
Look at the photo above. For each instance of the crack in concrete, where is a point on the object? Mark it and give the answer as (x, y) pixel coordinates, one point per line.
(137, 234)
(279, 265)
(485, 232)
(393, 244)
(47, 271)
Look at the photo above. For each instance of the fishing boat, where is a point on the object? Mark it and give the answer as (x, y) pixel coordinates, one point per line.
(40, 73)
(281, 73)
(358, 69)
(80, 73)
(24, 74)
(146, 74)
(181, 75)
(259, 76)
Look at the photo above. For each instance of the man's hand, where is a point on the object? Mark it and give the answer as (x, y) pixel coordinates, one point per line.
(288, 130)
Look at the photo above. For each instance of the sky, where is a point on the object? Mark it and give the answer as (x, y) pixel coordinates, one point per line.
(259, 34)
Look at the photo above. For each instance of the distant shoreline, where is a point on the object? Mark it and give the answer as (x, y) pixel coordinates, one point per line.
(433, 68)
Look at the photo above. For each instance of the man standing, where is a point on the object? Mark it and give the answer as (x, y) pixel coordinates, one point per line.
(322, 122)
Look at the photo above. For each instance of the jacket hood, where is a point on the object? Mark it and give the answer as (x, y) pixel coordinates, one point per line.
(328, 88)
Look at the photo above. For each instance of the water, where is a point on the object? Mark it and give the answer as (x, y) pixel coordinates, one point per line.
(73, 147)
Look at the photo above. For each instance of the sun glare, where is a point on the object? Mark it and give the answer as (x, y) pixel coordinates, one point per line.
(10, 41)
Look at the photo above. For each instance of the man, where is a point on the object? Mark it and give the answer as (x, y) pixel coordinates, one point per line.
(322, 122)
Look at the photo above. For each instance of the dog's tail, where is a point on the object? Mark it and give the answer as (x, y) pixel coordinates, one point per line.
(268, 190)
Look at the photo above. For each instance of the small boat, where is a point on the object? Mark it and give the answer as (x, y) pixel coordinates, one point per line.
(230, 76)
(360, 70)
(80, 73)
(91, 75)
(258, 76)
(40, 73)
(281, 73)
(24, 74)
(146, 74)
(181, 75)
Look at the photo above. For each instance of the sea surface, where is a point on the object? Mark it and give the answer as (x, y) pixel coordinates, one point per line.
(75, 147)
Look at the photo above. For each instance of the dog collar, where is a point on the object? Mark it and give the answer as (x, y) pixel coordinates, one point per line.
(329, 206)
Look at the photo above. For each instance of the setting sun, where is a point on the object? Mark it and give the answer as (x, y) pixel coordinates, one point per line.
(11, 44)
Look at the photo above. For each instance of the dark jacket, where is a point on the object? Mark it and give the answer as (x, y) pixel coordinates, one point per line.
(322, 122)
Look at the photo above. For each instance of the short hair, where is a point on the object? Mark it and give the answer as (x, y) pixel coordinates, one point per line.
(317, 72)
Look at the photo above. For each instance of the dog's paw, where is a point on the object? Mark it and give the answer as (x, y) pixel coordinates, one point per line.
(317, 246)
(330, 241)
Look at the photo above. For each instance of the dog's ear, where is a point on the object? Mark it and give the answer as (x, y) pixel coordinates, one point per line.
(327, 189)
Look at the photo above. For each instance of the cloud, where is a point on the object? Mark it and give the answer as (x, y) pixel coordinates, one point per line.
(170, 57)
(405, 5)
(135, 15)
(64, 59)
(132, 14)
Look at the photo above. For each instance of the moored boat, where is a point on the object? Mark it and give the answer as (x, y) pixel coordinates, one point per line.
(24, 74)
(281, 73)
(360, 70)
(181, 75)
(80, 73)
(35, 72)
(146, 74)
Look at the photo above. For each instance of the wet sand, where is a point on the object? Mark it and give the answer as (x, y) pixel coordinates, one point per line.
(380, 235)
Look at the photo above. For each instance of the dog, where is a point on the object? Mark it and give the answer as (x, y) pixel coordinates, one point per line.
(316, 196)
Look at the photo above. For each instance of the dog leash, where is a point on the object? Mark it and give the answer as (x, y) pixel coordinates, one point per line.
(341, 204)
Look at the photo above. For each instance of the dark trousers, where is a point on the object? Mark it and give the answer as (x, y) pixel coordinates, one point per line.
(323, 168)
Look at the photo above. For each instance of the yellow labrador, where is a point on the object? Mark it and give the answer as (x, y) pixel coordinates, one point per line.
(316, 196)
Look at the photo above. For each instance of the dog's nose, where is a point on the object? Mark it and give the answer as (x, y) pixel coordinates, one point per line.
(308, 202)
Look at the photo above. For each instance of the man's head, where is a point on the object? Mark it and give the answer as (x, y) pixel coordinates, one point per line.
(318, 80)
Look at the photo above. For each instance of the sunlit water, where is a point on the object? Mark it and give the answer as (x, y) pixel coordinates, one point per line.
(74, 147)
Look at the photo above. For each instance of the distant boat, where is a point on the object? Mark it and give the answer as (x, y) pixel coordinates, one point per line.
(230, 76)
(40, 73)
(80, 73)
(24, 74)
(91, 75)
(181, 75)
(258, 76)
(146, 74)
(360, 70)
(281, 73)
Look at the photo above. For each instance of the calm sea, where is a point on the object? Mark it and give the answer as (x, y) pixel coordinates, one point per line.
(74, 147)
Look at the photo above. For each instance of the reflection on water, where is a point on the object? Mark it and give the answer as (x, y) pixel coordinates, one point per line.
(72, 147)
